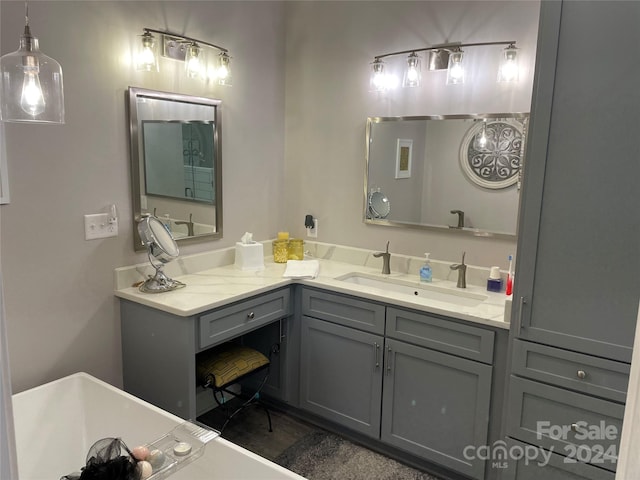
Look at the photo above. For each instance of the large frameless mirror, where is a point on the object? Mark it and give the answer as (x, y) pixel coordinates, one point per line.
(176, 160)
(457, 172)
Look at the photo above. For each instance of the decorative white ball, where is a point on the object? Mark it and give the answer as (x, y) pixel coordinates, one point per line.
(156, 458)
(145, 469)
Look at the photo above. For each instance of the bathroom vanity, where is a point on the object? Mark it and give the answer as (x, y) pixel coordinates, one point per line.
(421, 376)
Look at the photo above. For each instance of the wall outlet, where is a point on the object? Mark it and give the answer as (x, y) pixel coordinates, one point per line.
(313, 232)
(100, 225)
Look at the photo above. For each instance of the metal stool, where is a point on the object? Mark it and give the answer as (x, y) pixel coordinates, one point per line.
(226, 365)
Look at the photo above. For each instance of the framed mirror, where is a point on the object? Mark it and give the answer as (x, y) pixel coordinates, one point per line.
(176, 163)
(461, 173)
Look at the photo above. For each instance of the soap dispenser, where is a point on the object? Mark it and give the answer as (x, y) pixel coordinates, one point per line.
(426, 275)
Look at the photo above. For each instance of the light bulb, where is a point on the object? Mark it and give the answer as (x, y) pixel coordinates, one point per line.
(481, 139)
(146, 59)
(455, 72)
(32, 99)
(224, 72)
(412, 72)
(508, 70)
(377, 82)
(193, 61)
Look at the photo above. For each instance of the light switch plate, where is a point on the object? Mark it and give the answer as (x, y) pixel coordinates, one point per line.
(97, 225)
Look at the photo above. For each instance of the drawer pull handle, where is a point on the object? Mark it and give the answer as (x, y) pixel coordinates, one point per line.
(376, 352)
(581, 374)
(251, 315)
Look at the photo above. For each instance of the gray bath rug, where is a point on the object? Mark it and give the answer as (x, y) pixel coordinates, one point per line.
(325, 456)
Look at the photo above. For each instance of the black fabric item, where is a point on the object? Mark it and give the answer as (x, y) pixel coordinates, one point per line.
(105, 461)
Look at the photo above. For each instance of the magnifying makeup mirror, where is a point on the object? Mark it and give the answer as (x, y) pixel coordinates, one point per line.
(379, 205)
(162, 248)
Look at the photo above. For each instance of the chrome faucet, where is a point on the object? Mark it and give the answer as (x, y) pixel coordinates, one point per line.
(460, 214)
(386, 260)
(462, 272)
(189, 225)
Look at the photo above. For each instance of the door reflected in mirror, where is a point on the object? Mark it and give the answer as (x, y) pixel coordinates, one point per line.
(176, 162)
(464, 177)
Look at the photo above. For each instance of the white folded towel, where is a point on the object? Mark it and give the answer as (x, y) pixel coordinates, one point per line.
(302, 269)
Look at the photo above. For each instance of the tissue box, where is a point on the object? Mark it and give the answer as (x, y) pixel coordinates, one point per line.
(249, 256)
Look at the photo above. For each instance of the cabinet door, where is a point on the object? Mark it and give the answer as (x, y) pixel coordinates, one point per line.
(340, 375)
(577, 265)
(435, 405)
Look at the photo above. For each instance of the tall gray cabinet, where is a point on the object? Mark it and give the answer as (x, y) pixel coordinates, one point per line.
(578, 270)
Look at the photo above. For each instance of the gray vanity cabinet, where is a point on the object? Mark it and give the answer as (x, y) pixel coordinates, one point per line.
(577, 282)
(341, 344)
(415, 381)
(435, 404)
(341, 375)
(159, 349)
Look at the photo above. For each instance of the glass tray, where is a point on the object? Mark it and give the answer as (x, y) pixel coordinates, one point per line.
(175, 447)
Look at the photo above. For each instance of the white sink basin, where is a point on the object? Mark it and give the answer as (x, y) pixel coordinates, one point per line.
(457, 297)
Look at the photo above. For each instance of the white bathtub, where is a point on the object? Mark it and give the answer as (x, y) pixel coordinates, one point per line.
(57, 423)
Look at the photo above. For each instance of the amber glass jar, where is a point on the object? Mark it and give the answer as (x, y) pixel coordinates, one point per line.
(280, 251)
(296, 249)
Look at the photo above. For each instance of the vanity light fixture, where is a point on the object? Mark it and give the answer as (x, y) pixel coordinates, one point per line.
(449, 56)
(147, 57)
(412, 74)
(31, 83)
(508, 70)
(184, 49)
(455, 70)
(192, 60)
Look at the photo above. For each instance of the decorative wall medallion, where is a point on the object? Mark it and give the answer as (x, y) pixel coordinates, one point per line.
(496, 163)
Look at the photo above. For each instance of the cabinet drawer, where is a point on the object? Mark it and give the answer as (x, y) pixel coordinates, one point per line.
(577, 426)
(587, 374)
(232, 321)
(546, 464)
(348, 311)
(440, 334)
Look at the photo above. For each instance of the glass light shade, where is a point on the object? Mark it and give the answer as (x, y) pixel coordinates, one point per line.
(223, 72)
(481, 140)
(508, 70)
(31, 85)
(378, 79)
(147, 55)
(192, 61)
(455, 71)
(412, 74)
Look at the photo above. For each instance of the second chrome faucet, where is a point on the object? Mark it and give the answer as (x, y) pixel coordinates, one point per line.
(462, 272)
(386, 260)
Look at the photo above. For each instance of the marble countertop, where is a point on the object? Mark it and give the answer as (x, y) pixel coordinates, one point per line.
(213, 281)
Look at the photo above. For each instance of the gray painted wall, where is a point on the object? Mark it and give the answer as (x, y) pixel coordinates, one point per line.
(293, 143)
(62, 316)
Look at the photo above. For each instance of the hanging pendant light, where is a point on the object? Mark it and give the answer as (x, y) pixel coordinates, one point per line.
(481, 139)
(31, 83)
